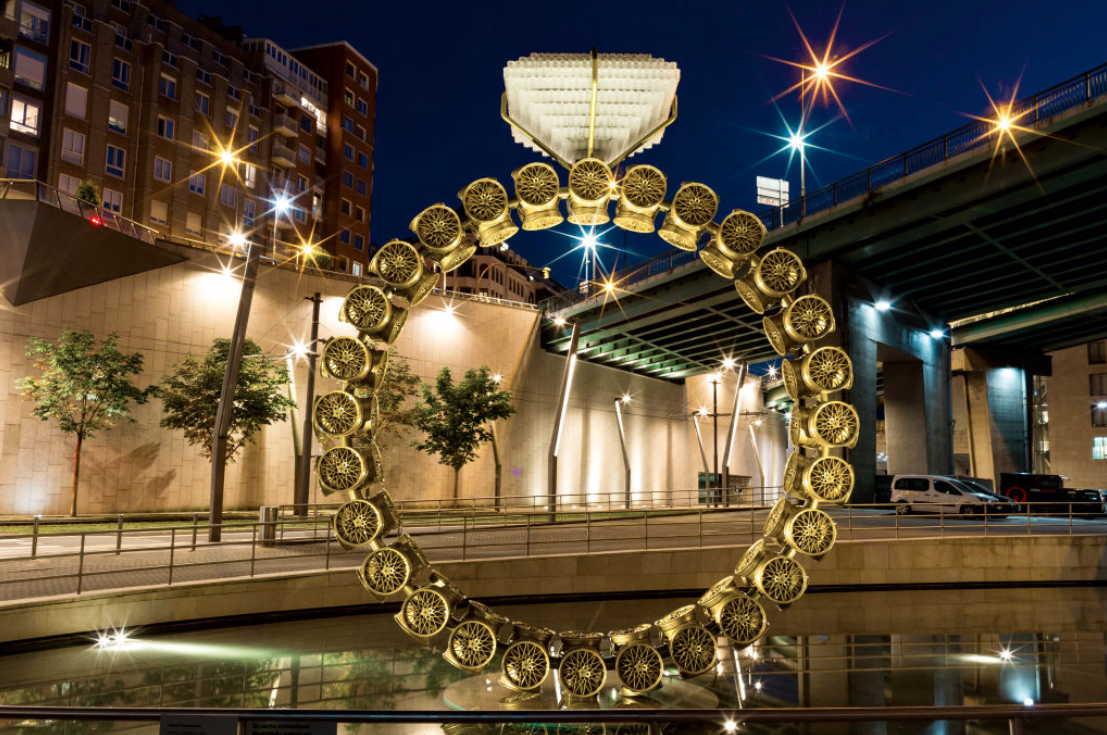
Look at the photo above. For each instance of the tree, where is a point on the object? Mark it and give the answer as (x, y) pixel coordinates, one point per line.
(191, 396)
(399, 384)
(455, 417)
(83, 389)
(87, 191)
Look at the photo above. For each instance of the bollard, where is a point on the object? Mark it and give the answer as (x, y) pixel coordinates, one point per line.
(119, 534)
(195, 525)
(34, 537)
(173, 548)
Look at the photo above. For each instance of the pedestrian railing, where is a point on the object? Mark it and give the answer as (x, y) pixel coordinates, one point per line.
(76, 563)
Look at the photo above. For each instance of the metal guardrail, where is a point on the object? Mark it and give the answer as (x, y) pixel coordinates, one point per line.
(100, 560)
(1058, 98)
(653, 719)
(31, 190)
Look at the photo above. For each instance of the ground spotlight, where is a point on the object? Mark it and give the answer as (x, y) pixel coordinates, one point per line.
(937, 333)
(883, 305)
(730, 725)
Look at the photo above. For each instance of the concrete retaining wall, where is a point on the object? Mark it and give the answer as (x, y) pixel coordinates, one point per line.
(1009, 561)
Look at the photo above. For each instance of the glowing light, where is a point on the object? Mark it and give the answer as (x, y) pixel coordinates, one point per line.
(237, 239)
(716, 377)
(821, 71)
(757, 685)
(227, 272)
(589, 241)
(1027, 702)
(730, 725)
(728, 363)
(95, 220)
(1003, 122)
(757, 423)
(281, 204)
(937, 333)
(609, 286)
(560, 321)
(883, 305)
(626, 398)
(299, 350)
(497, 378)
(227, 157)
(450, 309)
(703, 411)
(796, 142)
(1006, 654)
(771, 372)
(1101, 405)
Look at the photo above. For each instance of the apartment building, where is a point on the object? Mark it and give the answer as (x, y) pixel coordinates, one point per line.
(1075, 422)
(184, 124)
(504, 274)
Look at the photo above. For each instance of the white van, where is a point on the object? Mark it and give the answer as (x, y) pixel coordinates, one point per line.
(939, 494)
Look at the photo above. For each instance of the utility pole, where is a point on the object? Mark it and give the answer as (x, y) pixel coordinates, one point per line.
(226, 394)
(300, 497)
(715, 431)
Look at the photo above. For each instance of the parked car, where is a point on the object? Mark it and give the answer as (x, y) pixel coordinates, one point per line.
(941, 494)
(1047, 494)
(976, 487)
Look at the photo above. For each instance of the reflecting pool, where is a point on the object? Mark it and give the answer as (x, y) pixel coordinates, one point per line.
(949, 647)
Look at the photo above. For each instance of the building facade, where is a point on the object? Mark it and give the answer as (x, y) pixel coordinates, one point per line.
(1075, 406)
(503, 274)
(183, 124)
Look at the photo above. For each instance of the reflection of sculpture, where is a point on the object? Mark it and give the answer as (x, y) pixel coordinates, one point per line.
(435, 611)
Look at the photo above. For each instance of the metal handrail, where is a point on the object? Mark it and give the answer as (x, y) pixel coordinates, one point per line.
(30, 189)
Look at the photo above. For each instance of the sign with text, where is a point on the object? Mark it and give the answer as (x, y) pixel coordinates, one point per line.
(771, 192)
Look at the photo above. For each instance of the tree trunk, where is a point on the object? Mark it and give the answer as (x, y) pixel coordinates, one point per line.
(76, 475)
(457, 473)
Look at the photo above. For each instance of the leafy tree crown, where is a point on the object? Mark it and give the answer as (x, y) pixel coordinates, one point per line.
(455, 416)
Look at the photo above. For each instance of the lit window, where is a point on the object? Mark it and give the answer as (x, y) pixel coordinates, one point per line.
(348, 98)
(80, 54)
(197, 183)
(163, 169)
(34, 22)
(166, 127)
(1099, 447)
(113, 200)
(30, 68)
(21, 162)
(249, 175)
(117, 158)
(226, 195)
(121, 74)
(159, 212)
(76, 100)
(73, 146)
(167, 87)
(194, 224)
(356, 269)
(203, 103)
(24, 116)
(117, 117)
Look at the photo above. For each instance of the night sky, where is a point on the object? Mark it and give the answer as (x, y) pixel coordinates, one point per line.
(438, 124)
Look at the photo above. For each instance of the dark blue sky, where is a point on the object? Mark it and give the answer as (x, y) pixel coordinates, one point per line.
(438, 124)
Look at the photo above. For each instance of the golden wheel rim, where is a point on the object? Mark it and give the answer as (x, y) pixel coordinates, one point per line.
(537, 184)
(795, 427)
(741, 233)
(526, 665)
(693, 650)
(680, 616)
(439, 228)
(422, 289)
(425, 612)
(780, 272)
(341, 469)
(391, 330)
(791, 479)
(742, 620)
(811, 532)
(695, 205)
(456, 258)
(345, 358)
(776, 338)
(639, 666)
(829, 479)
(752, 297)
(385, 572)
(485, 200)
(356, 523)
(791, 379)
(775, 520)
(828, 369)
(781, 580)
(643, 187)
(835, 424)
(721, 588)
(337, 414)
(809, 318)
(473, 644)
(367, 308)
(590, 180)
(748, 563)
(398, 264)
(582, 672)
(717, 262)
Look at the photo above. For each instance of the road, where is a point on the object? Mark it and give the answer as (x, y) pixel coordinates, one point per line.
(148, 559)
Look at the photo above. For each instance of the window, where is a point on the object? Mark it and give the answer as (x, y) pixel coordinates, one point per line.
(1099, 447)
(167, 87)
(200, 141)
(68, 184)
(301, 183)
(347, 123)
(234, 92)
(351, 70)
(194, 224)
(230, 118)
(169, 59)
(305, 122)
(252, 137)
(120, 74)
(123, 5)
(346, 206)
(916, 484)
(188, 40)
(362, 133)
(362, 188)
(166, 127)
(156, 22)
(76, 100)
(218, 57)
(348, 151)
(348, 98)
(204, 77)
(163, 169)
(363, 80)
(363, 161)
(197, 183)
(226, 195)
(360, 214)
(203, 103)
(344, 236)
(945, 488)
(300, 214)
(1099, 416)
(249, 212)
(21, 162)
(348, 179)
(80, 54)
(249, 175)
(305, 154)
(117, 117)
(363, 107)
(24, 116)
(159, 212)
(1097, 352)
(1097, 384)
(117, 159)
(73, 146)
(34, 22)
(30, 68)
(356, 269)
(359, 242)
(113, 200)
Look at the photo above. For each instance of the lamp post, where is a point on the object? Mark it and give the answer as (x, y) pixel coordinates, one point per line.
(300, 497)
(619, 402)
(715, 378)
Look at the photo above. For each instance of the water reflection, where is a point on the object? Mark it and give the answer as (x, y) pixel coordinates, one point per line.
(857, 649)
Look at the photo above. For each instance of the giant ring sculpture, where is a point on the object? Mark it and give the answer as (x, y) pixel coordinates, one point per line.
(769, 573)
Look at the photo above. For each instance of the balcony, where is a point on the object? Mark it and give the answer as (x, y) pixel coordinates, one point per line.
(285, 93)
(285, 125)
(282, 155)
(35, 29)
